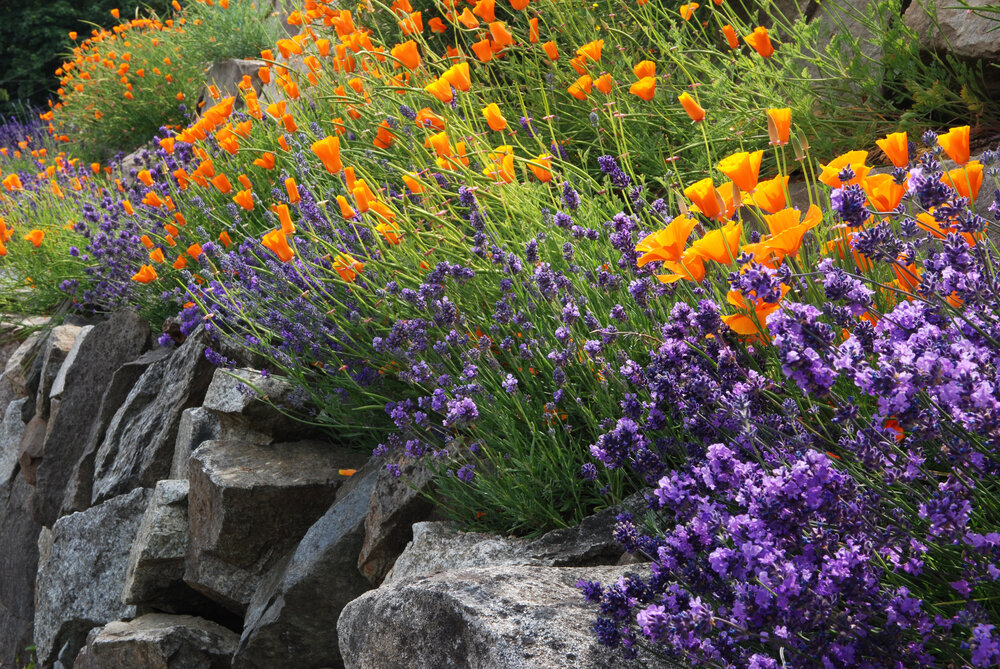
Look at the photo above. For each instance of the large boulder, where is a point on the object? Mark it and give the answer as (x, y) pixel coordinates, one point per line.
(81, 575)
(138, 447)
(18, 370)
(18, 565)
(397, 503)
(156, 562)
(200, 424)
(512, 617)
(438, 546)
(249, 504)
(160, 641)
(251, 398)
(292, 618)
(80, 489)
(81, 383)
(965, 32)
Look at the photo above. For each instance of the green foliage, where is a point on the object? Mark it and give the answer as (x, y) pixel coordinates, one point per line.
(34, 40)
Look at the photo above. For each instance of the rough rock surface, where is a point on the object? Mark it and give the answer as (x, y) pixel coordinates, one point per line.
(55, 351)
(949, 27)
(512, 617)
(396, 504)
(292, 618)
(198, 425)
(17, 371)
(438, 546)
(80, 489)
(98, 353)
(156, 562)
(81, 579)
(31, 447)
(18, 564)
(138, 447)
(11, 430)
(242, 393)
(249, 505)
(161, 641)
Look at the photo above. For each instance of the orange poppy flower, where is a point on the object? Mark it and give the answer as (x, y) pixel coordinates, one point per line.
(955, 143)
(770, 194)
(486, 10)
(12, 182)
(35, 237)
(788, 230)
(180, 263)
(894, 145)
(604, 83)
(467, 19)
(266, 161)
(157, 256)
(225, 239)
(494, 118)
(646, 68)
(437, 25)
(347, 267)
(533, 35)
(277, 241)
(966, 180)
(721, 245)
(750, 319)
(145, 177)
(292, 189)
(645, 88)
(884, 194)
(389, 231)
(146, 274)
(345, 208)
(441, 89)
(244, 198)
(666, 244)
(687, 11)
(693, 109)
(501, 36)
(779, 123)
(581, 87)
(407, 54)
(743, 168)
(691, 267)
(328, 150)
(221, 182)
(542, 170)
(591, 50)
(731, 38)
(705, 197)
(551, 50)
(384, 137)
(760, 41)
(854, 159)
(129, 209)
(458, 76)
(413, 183)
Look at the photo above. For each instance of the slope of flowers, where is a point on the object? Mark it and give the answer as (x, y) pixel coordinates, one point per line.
(558, 260)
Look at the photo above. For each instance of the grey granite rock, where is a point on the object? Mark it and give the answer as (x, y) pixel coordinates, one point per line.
(99, 351)
(396, 504)
(161, 641)
(56, 350)
(138, 447)
(156, 562)
(11, 431)
(80, 488)
(249, 505)
(18, 565)
(292, 617)
(80, 580)
(516, 617)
